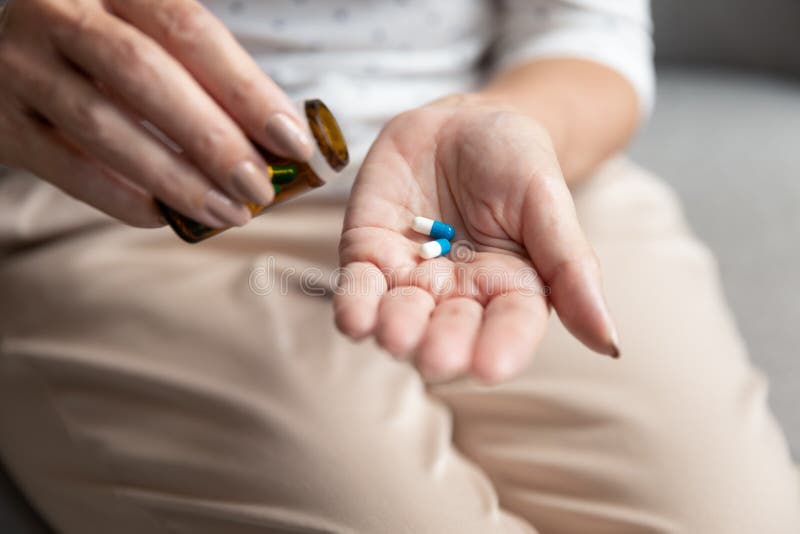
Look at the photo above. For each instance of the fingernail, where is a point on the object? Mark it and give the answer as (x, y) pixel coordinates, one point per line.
(225, 209)
(613, 348)
(252, 184)
(288, 138)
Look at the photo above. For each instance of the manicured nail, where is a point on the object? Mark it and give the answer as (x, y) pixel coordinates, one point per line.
(288, 138)
(252, 184)
(226, 210)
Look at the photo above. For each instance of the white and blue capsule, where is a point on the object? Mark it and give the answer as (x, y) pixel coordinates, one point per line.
(434, 249)
(434, 229)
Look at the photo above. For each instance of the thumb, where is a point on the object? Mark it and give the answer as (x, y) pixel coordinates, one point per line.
(567, 264)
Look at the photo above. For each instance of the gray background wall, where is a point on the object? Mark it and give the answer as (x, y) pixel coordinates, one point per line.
(726, 135)
(743, 33)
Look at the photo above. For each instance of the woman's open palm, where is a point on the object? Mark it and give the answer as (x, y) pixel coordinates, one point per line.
(491, 173)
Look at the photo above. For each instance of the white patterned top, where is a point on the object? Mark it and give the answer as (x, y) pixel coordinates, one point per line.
(371, 59)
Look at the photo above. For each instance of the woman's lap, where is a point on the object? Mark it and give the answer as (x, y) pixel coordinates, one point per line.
(676, 436)
(156, 387)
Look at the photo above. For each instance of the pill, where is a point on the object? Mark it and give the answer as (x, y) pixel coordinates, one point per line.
(434, 249)
(434, 229)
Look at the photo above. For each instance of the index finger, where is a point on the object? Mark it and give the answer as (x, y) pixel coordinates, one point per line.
(205, 47)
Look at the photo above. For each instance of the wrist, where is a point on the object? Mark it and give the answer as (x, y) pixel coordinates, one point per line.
(479, 99)
(492, 100)
(547, 119)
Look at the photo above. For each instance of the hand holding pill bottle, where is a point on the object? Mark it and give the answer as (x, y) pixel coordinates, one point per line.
(153, 100)
(289, 178)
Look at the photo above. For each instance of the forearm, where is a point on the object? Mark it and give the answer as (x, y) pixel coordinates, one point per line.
(589, 110)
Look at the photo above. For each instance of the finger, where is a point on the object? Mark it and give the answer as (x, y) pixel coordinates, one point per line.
(87, 180)
(446, 349)
(208, 50)
(402, 318)
(566, 262)
(101, 129)
(355, 304)
(513, 325)
(153, 84)
(380, 246)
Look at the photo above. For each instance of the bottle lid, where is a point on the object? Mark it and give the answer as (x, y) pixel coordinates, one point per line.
(331, 155)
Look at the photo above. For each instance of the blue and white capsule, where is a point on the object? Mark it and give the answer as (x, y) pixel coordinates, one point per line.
(434, 249)
(434, 229)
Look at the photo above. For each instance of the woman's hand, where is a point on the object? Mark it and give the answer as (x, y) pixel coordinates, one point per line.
(81, 78)
(492, 173)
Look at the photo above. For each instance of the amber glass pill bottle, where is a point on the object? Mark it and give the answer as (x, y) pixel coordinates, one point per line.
(289, 178)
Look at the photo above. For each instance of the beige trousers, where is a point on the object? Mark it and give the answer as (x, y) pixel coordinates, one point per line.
(152, 387)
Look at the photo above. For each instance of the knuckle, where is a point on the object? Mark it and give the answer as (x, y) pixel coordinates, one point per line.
(72, 19)
(183, 21)
(133, 54)
(87, 117)
(243, 91)
(212, 145)
(141, 59)
(208, 141)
